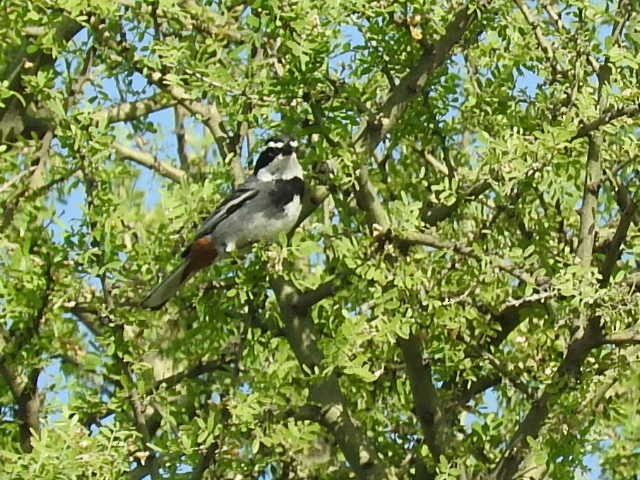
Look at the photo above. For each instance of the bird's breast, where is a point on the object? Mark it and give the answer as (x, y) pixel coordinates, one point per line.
(285, 191)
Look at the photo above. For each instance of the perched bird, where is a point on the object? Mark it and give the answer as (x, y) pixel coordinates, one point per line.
(264, 206)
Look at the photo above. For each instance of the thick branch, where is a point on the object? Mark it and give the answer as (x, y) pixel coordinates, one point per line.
(464, 394)
(313, 197)
(309, 298)
(153, 463)
(623, 338)
(181, 136)
(206, 460)
(397, 101)
(592, 179)
(425, 396)
(508, 318)
(21, 115)
(566, 373)
(623, 198)
(24, 384)
(588, 331)
(367, 198)
(128, 111)
(27, 398)
(302, 337)
(28, 413)
(409, 85)
(234, 147)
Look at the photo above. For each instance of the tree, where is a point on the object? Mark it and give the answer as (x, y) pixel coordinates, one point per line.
(460, 298)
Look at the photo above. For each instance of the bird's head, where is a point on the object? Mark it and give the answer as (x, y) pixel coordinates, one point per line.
(278, 160)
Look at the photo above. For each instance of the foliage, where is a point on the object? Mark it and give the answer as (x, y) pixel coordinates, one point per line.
(459, 300)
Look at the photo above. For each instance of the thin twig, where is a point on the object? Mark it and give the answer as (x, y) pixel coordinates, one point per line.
(148, 160)
(606, 118)
(200, 368)
(544, 44)
(418, 238)
(614, 249)
(181, 137)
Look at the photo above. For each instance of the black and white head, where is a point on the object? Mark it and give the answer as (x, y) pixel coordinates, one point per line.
(278, 160)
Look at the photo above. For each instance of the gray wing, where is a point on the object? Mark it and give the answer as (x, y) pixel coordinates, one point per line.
(233, 202)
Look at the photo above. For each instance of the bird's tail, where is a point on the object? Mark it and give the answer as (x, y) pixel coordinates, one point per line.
(168, 286)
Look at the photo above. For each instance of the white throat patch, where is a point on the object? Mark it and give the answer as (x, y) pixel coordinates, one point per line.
(283, 167)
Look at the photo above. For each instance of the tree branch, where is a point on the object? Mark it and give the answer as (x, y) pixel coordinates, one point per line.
(28, 400)
(206, 460)
(148, 160)
(234, 147)
(36, 185)
(29, 403)
(615, 246)
(606, 118)
(593, 177)
(588, 331)
(196, 370)
(592, 181)
(623, 338)
(24, 384)
(368, 200)
(312, 198)
(565, 374)
(418, 238)
(623, 198)
(153, 463)
(397, 101)
(434, 214)
(464, 394)
(507, 318)
(208, 113)
(128, 111)
(181, 136)
(545, 46)
(205, 19)
(428, 407)
(308, 299)
(325, 392)
(14, 119)
(409, 85)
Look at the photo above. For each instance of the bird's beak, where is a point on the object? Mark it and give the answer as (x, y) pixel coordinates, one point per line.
(288, 149)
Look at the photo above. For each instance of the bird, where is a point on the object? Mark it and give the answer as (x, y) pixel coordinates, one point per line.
(267, 204)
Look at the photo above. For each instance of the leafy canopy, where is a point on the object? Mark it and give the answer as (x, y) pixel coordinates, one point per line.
(459, 300)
